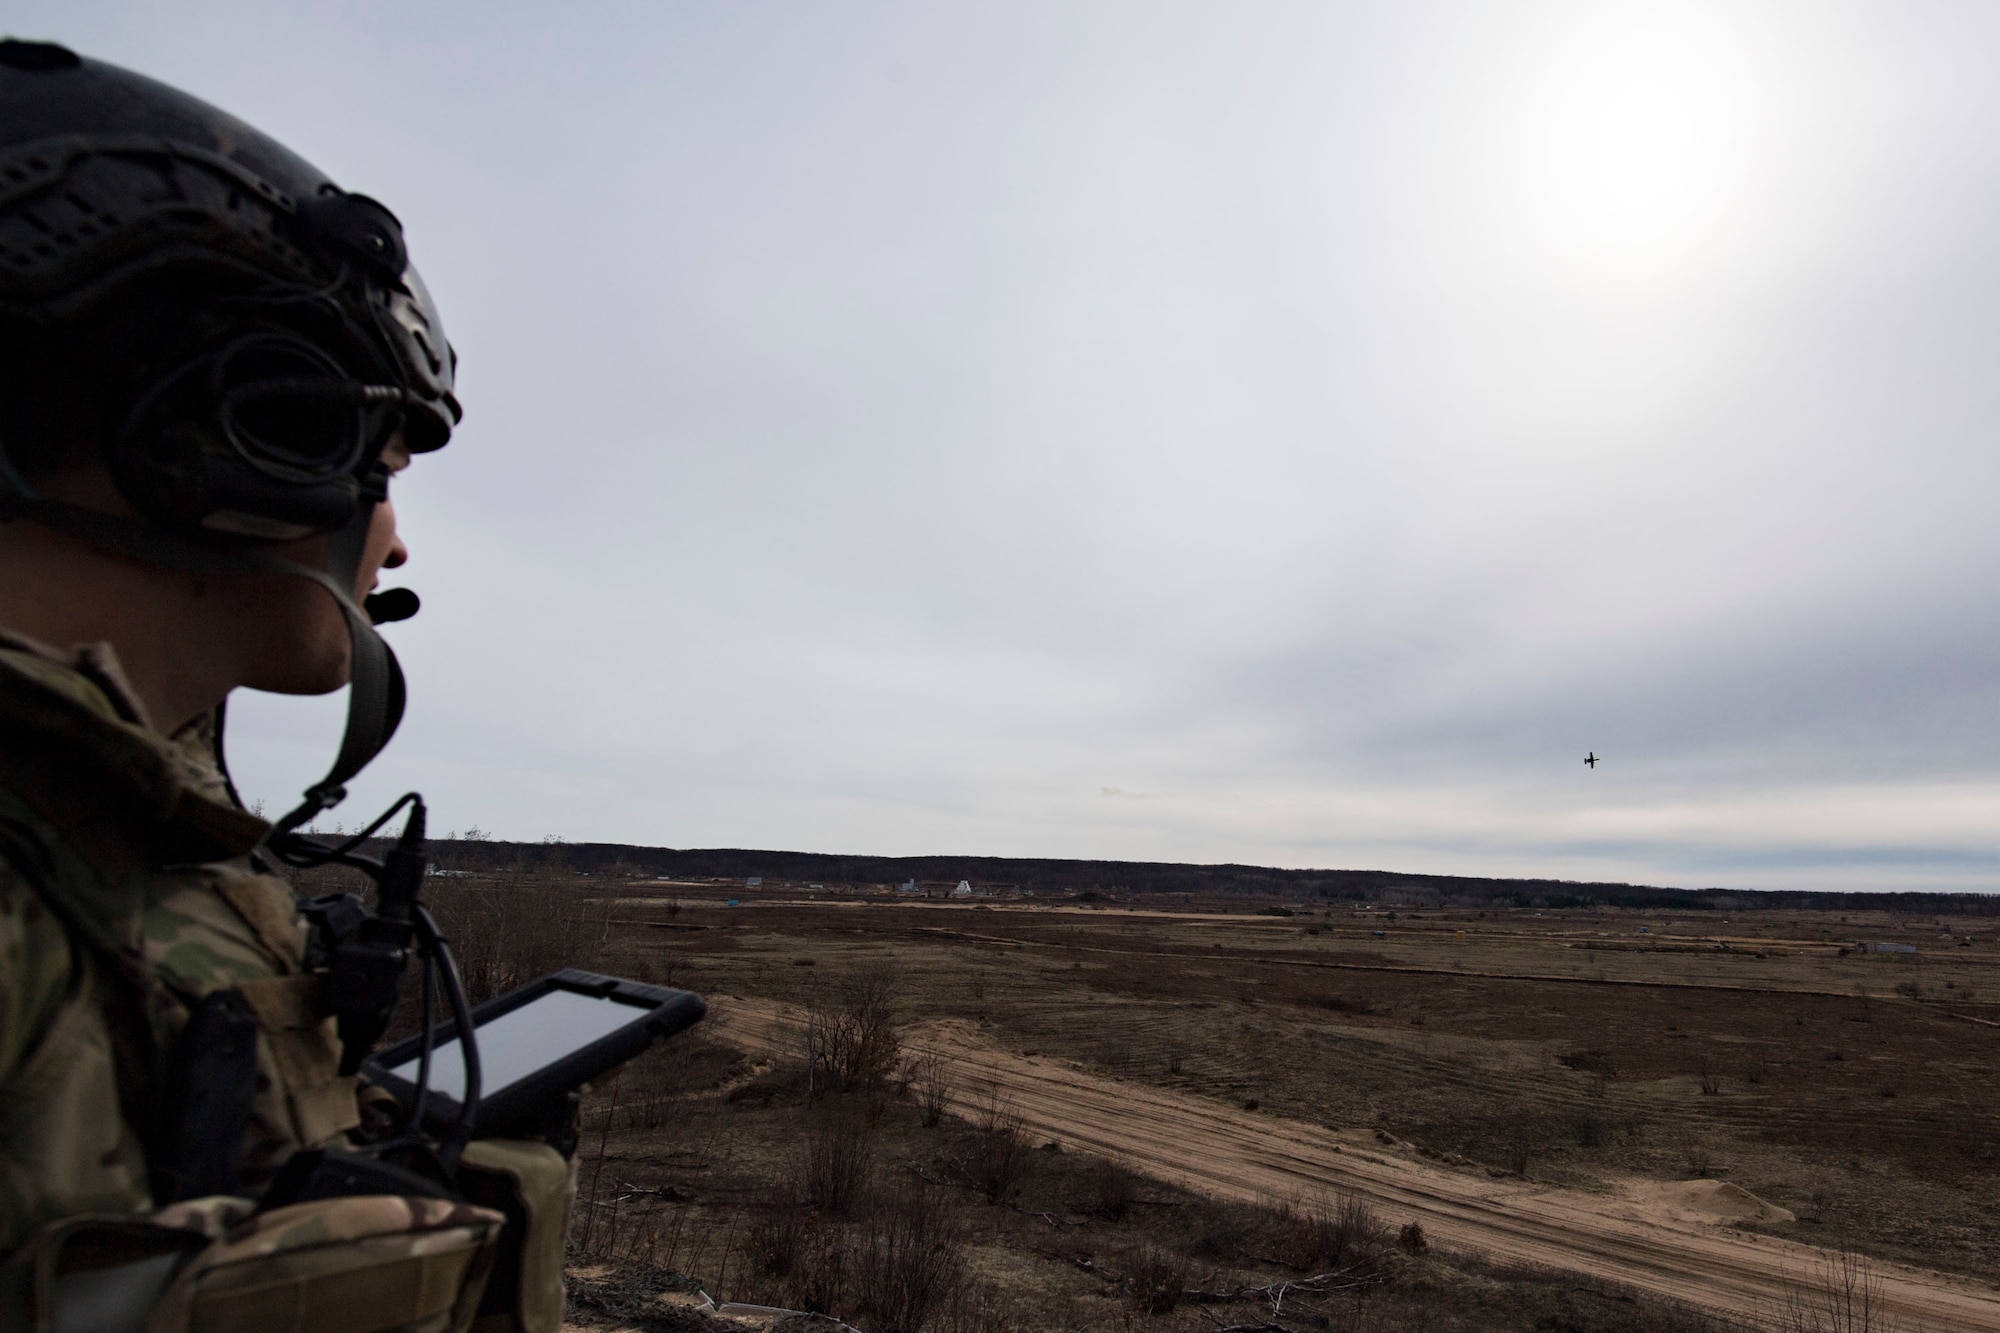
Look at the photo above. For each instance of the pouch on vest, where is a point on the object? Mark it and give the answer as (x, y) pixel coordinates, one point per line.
(534, 1187)
(370, 1264)
(210, 1091)
(104, 1272)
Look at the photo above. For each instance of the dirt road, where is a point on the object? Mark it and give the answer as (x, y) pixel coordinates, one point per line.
(1671, 1240)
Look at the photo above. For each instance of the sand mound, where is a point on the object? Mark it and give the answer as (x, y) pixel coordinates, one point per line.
(1705, 1201)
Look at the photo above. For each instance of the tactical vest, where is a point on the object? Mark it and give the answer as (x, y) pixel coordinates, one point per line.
(131, 924)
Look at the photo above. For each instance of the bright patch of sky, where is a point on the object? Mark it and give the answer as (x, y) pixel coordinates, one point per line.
(1272, 433)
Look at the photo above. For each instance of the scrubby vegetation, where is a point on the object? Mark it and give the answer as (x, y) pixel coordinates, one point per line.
(863, 1175)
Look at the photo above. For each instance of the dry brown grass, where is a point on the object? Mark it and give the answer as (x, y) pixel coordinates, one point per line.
(1542, 1044)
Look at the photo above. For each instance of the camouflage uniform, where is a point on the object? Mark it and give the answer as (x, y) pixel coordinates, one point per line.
(125, 896)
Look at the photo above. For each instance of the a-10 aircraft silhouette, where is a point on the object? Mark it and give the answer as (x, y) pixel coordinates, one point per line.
(1591, 759)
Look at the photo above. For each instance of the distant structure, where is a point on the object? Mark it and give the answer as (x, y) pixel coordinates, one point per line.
(753, 882)
(907, 887)
(1888, 946)
(964, 889)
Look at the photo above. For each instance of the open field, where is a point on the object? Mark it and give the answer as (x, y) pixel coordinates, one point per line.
(1678, 1240)
(1538, 1088)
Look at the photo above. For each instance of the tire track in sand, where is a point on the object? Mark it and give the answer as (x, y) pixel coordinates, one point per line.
(1217, 1150)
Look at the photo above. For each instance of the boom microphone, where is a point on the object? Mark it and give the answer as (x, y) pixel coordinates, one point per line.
(391, 604)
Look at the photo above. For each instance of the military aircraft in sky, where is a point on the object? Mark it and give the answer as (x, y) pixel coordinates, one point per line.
(1591, 759)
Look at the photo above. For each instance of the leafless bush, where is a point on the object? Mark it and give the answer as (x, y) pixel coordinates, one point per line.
(1518, 1149)
(805, 1254)
(1840, 1296)
(1155, 1280)
(832, 1163)
(1331, 1232)
(1412, 1240)
(773, 1240)
(850, 1033)
(931, 1082)
(998, 1161)
(909, 1258)
(819, 1273)
(1113, 1188)
(656, 1082)
(508, 929)
(1697, 1159)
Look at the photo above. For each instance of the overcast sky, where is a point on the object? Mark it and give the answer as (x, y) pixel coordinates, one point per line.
(1256, 432)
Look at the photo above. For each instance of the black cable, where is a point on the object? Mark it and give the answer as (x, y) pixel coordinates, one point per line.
(320, 854)
(413, 1127)
(454, 1143)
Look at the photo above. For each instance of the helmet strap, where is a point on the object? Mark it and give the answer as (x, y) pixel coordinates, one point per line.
(375, 694)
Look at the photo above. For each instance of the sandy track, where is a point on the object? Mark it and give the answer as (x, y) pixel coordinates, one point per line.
(1634, 1238)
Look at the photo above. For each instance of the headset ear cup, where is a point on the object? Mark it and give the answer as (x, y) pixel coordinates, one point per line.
(160, 467)
(211, 467)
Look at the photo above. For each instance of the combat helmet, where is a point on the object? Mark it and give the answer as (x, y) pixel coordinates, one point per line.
(266, 335)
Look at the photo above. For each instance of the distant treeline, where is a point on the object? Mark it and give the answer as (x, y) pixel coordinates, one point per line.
(1138, 878)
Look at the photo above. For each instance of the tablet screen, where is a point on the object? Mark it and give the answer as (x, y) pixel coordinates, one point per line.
(521, 1041)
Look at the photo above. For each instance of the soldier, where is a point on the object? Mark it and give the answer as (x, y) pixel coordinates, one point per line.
(212, 362)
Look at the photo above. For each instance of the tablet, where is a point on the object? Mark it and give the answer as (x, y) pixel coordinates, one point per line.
(537, 1043)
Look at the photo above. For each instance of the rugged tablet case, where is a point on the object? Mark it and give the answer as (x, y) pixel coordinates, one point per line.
(657, 1013)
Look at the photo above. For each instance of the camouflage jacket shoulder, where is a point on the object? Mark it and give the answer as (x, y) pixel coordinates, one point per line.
(125, 896)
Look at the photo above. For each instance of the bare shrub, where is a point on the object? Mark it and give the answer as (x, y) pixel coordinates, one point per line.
(1155, 1280)
(508, 929)
(1411, 1239)
(1697, 1159)
(908, 1258)
(1113, 1188)
(874, 1052)
(657, 1084)
(930, 1080)
(1221, 1232)
(819, 1274)
(772, 1242)
(850, 1033)
(999, 1159)
(1518, 1149)
(1330, 1232)
(1840, 1296)
(833, 1156)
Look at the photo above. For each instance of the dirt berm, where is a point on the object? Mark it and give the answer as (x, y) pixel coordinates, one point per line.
(1672, 1238)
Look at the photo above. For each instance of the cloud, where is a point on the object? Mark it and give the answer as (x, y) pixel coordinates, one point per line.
(886, 422)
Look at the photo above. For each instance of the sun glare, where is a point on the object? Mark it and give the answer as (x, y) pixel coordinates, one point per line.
(1623, 149)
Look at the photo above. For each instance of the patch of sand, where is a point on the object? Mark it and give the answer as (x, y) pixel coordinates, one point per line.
(1713, 1201)
(1671, 1239)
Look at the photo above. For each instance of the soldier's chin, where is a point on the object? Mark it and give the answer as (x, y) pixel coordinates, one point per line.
(314, 662)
